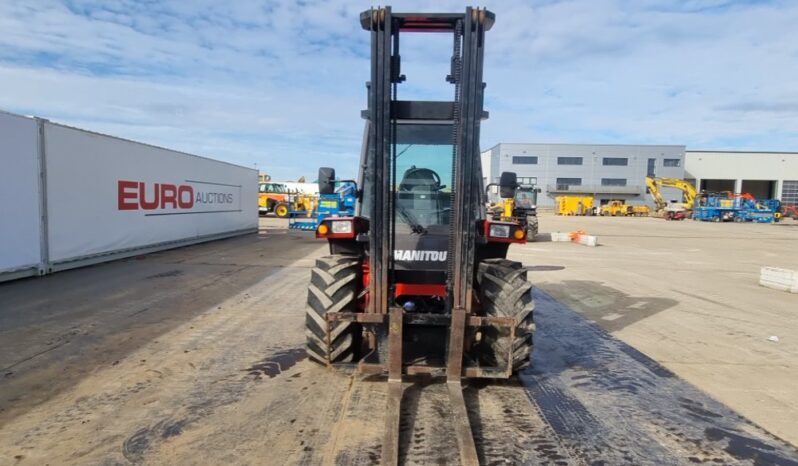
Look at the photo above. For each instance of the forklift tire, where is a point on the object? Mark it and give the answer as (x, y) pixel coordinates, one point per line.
(505, 292)
(281, 210)
(333, 288)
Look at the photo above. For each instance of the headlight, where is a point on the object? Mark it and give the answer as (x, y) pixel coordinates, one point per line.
(499, 231)
(341, 226)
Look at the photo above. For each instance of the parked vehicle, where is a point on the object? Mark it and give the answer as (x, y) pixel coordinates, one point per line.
(728, 207)
(522, 208)
(789, 211)
(274, 198)
(663, 208)
(620, 209)
(418, 280)
(310, 211)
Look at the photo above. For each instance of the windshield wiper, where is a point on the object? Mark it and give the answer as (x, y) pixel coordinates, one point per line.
(411, 220)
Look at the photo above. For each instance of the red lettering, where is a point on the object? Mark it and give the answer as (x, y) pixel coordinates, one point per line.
(181, 201)
(124, 195)
(168, 195)
(143, 202)
(132, 195)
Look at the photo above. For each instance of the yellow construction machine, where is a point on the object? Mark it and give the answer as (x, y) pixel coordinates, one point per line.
(619, 209)
(574, 205)
(521, 208)
(671, 210)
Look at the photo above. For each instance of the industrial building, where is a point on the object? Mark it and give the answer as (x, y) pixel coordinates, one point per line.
(605, 171)
(618, 171)
(764, 174)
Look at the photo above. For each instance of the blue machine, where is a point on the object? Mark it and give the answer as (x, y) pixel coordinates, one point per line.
(738, 208)
(339, 204)
(763, 211)
(715, 208)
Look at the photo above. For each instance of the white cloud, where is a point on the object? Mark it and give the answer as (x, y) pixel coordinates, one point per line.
(282, 84)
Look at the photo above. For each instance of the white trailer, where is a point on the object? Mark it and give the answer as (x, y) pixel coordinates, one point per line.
(21, 232)
(101, 198)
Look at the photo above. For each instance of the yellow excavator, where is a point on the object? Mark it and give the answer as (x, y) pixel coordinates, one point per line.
(672, 211)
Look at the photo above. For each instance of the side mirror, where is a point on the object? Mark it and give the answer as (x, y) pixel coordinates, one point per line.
(326, 180)
(508, 183)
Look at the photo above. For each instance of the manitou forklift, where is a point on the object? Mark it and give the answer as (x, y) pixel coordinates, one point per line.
(417, 281)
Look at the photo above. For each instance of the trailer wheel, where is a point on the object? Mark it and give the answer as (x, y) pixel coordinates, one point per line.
(505, 292)
(281, 210)
(333, 288)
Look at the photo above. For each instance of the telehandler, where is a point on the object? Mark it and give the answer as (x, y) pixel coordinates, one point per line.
(522, 208)
(417, 281)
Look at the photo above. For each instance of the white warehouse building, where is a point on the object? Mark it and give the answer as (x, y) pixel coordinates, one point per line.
(618, 171)
(771, 175)
(604, 171)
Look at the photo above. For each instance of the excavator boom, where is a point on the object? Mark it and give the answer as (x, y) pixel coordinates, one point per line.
(655, 186)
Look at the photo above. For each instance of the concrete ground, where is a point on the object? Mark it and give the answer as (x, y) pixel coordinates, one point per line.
(687, 295)
(195, 356)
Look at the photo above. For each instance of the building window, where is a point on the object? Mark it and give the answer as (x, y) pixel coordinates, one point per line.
(789, 192)
(569, 160)
(671, 162)
(525, 160)
(569, 181)
(652, 163)
(616, 161)
(613, 181)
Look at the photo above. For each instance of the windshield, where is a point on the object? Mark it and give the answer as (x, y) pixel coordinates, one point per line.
(272, 188)
(423, 161)
(423, 174)
(526, 199)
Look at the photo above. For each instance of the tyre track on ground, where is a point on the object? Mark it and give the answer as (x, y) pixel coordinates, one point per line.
(159, 392)
(611, 404)
(231, 386)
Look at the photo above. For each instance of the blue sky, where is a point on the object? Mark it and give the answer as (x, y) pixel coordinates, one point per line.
(281, 84)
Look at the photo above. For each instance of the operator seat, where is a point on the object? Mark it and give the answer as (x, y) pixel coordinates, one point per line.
(419, 193)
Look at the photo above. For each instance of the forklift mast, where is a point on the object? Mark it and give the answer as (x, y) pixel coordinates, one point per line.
(387, 116)
(382, 192)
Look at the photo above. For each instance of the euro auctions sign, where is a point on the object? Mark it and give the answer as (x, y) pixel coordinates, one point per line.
(186, 197)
